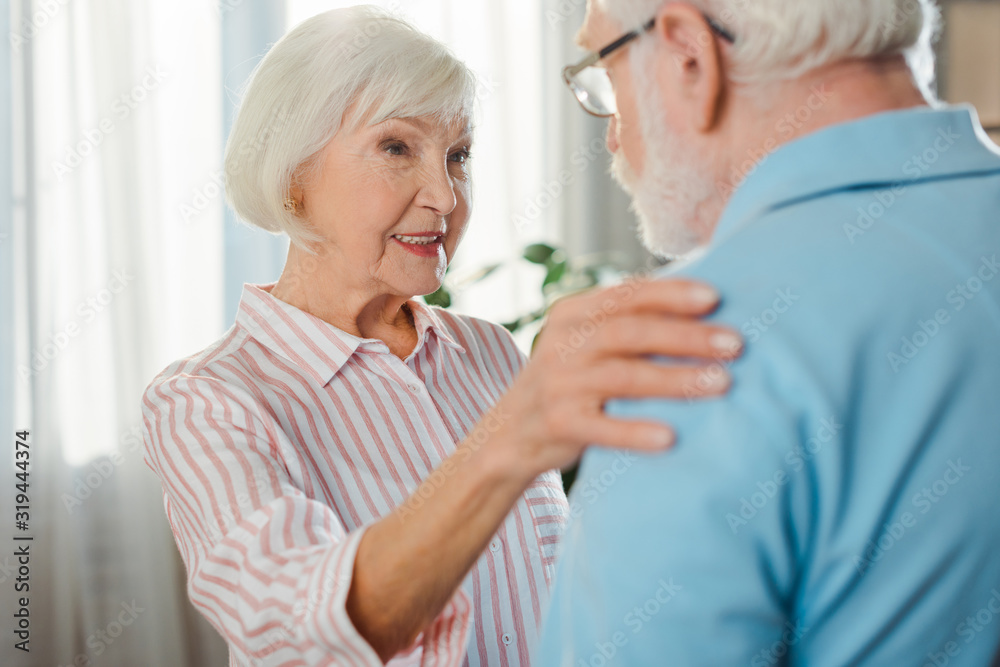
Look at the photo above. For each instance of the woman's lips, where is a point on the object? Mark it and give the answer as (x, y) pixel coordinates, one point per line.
(421, 245)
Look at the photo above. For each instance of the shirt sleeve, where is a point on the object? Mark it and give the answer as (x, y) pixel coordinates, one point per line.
(268, 565)
(690, 555)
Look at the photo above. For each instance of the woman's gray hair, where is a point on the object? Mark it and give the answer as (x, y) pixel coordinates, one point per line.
(783, 39)
(362, 60)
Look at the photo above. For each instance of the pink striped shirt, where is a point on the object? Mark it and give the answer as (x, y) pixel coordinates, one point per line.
(278, 444)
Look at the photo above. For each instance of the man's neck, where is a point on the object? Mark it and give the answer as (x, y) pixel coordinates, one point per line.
(828, 96)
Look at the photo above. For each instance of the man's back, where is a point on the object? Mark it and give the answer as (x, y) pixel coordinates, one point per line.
(839, 507)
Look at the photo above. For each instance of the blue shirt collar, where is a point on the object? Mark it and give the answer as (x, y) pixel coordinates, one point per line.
(898, 147)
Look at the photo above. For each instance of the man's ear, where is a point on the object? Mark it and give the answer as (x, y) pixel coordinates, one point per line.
(692, 71)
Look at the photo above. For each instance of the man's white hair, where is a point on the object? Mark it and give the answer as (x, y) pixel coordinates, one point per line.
(362, 60)
(783, 39)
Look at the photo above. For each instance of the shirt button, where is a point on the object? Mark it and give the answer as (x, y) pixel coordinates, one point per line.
(495, 546)
(507, 639)
(413, 387)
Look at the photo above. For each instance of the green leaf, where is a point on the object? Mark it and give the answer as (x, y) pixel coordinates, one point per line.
(539, 253)
(440, 298)
(555, 274)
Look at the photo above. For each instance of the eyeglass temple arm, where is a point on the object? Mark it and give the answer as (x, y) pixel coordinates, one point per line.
(573, 70)
(719, 29)
(594, 58)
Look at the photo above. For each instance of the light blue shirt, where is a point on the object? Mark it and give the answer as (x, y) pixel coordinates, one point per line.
(841, 506)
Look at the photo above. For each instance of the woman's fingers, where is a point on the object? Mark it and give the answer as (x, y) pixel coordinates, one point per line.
(653, 334)
(655, 318)
(598, 346)
(642, 334)
(676, 297)
(643, 436)
(621, 378)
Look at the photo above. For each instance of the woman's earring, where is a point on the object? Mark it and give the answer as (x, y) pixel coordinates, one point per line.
(291, 205)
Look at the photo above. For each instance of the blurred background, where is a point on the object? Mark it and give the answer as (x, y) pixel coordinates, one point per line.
(118, 256)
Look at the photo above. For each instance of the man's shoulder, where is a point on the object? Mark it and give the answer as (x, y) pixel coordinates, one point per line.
(840, 264)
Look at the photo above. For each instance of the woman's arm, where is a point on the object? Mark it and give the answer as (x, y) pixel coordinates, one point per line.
(593, 348)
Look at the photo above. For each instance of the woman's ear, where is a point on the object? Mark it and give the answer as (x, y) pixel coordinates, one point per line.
(692, 73)
(296, 192)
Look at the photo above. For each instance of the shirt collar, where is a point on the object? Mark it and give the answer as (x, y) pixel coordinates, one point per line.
(883, 150)
(317, 347)
(427, 320)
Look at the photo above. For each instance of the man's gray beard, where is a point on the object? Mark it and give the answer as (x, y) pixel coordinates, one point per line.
(672, 188)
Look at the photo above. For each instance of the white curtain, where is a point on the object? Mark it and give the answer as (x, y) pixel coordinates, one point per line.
(118, 126)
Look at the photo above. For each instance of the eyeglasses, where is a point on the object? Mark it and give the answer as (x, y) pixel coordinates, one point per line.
(591, 85)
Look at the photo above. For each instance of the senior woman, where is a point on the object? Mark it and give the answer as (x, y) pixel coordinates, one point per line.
(351, 476)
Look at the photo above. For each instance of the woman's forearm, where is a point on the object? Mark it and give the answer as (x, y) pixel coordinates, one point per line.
(410, 563)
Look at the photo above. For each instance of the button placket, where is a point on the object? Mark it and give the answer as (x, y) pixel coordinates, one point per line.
(404, 374)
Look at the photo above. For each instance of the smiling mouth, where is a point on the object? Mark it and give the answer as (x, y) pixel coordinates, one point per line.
(417, 240)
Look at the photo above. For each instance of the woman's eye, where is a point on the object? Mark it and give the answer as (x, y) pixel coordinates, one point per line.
(395, 148)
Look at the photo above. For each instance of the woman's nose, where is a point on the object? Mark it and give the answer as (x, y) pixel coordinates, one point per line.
(438, 191)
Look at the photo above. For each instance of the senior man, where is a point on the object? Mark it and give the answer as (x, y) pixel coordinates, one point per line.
(839, 506)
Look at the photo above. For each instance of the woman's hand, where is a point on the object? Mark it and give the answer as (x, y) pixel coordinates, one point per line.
(595, 347)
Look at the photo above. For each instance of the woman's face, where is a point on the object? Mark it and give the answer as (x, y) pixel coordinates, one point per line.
(391, 202)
